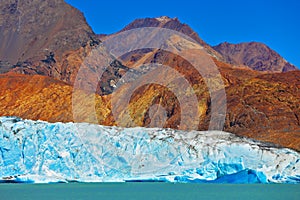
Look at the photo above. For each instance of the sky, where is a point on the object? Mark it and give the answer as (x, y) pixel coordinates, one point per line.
(275, 23)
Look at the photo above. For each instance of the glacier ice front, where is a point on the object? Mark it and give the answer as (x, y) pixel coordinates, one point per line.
(41, 152)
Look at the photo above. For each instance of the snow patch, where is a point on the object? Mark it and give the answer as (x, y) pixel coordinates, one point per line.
(163, 19)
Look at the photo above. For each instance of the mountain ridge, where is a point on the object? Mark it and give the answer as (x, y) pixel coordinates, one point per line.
(255, 55)
(49, 38)
(262, 58)
(40, 26)
(173, 24)
(261, 105)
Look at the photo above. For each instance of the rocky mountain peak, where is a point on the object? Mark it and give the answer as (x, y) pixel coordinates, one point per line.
(45, 37)
(173, 24)
(164, 19)
(164, 22)
(34, 28)
(255, 55)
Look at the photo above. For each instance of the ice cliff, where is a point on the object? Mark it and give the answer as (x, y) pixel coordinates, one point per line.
(36, 151)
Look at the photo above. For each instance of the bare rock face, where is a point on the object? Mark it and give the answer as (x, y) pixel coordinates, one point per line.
(255, 55)
(46, 37)
(36, 28)
(173, 24)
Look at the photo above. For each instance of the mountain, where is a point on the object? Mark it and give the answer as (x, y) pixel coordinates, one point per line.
(41, 75)
(173, 24)
(41, 152)
(255, 55)
(33, 29)
(44, 37)
(261, 106)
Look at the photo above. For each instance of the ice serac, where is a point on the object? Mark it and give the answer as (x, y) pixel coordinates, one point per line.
(36, 151)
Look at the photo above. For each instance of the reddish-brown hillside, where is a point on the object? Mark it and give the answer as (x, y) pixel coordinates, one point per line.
(255, 55)
(54, 43)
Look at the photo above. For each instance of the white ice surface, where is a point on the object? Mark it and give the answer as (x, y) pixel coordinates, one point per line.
(41, 152)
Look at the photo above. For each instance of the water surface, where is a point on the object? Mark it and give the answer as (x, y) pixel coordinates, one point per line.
(149, 191)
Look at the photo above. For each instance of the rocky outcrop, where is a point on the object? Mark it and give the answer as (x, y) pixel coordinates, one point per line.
(255, 55)
(35, 29)
(44, 37)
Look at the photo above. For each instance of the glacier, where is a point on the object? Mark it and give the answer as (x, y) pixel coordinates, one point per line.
(42, 152)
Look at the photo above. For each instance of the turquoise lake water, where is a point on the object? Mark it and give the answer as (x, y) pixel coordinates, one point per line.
(148, 191)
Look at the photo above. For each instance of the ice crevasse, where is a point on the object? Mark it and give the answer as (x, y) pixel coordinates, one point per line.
(41, 152)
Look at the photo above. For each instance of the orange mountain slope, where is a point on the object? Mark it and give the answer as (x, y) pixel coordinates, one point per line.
(42, 98)
(52, 43)
(260, 106)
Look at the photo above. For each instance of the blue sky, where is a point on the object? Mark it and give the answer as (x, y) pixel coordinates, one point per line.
(273, 22)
